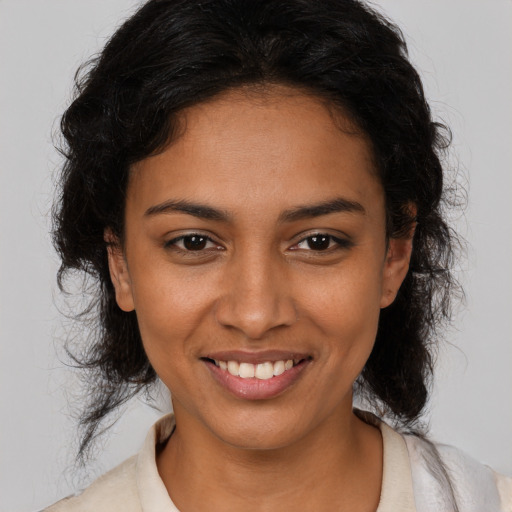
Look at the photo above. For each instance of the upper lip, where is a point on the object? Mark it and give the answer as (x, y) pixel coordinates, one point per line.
(256, 357)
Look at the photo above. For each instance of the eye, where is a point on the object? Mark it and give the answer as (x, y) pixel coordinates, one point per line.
(320, 242)
(192, 242)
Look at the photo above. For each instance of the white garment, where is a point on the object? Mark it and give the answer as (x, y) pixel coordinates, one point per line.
(409, 482)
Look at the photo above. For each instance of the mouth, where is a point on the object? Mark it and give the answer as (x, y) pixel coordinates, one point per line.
(262, 371)
(256, 376)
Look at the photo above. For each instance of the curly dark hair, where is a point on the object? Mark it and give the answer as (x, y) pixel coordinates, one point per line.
(172, 54)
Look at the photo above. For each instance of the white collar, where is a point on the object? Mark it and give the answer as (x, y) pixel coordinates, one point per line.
(396, 492)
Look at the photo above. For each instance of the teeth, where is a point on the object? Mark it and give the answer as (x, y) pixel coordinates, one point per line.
(246, 370)
(278, 368)
(262, 371)
(233, 367)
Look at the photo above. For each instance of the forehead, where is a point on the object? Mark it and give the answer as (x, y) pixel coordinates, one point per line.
(251, 148)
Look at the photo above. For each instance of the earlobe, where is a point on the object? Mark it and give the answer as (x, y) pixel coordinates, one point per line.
(395, 268)
(119, 273)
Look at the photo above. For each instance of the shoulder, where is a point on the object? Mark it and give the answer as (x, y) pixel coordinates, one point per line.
(133, 486)
(445, 479)
(112, 492)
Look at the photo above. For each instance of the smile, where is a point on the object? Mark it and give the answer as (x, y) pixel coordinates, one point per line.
(256, 376)
(262, 371)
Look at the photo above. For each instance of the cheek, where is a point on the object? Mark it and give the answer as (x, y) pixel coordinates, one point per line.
(346, 310)
(345, 299)
(169, 319)
(170, 308)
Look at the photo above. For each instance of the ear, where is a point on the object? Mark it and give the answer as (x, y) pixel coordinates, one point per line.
(119, 273)
(396, 266)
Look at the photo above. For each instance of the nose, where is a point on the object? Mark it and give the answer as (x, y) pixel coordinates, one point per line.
(256, 297)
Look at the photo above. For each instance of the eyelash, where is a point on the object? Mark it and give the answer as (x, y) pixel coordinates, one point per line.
(341, 243)
(171, 244)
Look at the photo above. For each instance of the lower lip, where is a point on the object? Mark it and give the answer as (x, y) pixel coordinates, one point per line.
(257, 389)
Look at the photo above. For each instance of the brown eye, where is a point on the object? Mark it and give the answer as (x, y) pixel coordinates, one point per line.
(322, 242)
(319, 242)
(194, 242)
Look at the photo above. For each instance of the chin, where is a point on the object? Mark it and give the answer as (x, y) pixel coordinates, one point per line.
(267, 433)
(262, 440)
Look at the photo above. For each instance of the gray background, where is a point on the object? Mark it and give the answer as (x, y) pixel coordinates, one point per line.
(462, 48)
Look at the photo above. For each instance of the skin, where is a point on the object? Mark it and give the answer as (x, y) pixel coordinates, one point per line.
(259, 285)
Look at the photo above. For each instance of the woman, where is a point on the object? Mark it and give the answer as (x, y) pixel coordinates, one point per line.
(256, 187)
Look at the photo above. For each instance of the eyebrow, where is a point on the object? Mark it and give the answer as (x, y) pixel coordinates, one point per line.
(182, 206)
(336, 205)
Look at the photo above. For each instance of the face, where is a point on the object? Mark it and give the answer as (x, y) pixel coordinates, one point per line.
(256, 260)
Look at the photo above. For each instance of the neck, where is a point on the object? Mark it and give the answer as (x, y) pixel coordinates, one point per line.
(337, 466)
